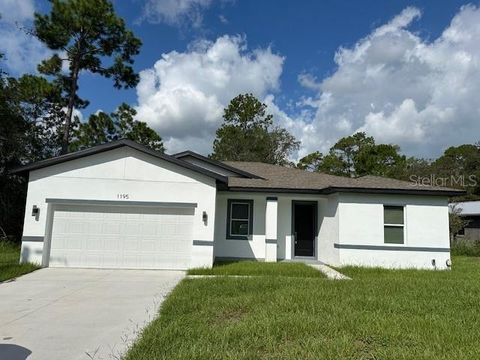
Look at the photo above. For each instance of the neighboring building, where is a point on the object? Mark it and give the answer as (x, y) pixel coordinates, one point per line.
(469, 211)
(122, 205)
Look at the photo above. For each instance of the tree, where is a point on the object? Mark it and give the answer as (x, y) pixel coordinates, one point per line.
(416, 167)
(39, 104)
(12, 189)
(380, 160)
(357, 155)
(311, 162)
(88, 35)
(102, 128)
(456, 221)
(29, 116)
(138, 131)
(461, 166)
(248, 134)
(345, 152)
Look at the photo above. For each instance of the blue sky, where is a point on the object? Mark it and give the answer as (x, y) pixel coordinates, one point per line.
(307, 33)
(383, 80)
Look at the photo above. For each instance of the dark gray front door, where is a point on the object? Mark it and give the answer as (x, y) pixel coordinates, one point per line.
(304, 226)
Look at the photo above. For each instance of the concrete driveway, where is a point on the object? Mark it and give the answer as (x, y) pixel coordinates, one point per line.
(78, 313)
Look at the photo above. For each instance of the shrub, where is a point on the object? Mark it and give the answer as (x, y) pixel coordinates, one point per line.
(465, 247)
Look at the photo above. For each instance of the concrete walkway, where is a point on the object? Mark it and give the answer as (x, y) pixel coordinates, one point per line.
(329, 272)
(78, 313)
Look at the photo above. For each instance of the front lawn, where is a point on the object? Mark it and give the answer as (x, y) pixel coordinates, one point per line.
(9, 266)
(380, 314)
(256, 268)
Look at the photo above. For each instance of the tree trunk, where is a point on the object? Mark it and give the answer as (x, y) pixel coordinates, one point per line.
(71, 103)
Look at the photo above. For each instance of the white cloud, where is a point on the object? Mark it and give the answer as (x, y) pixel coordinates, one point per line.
(175, 12)
(184, 94)
(223, 19)
(14, 10)
(401, 88)
(22, 52)
(309, 81)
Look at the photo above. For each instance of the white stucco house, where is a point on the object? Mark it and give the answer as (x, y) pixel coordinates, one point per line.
(122, 205)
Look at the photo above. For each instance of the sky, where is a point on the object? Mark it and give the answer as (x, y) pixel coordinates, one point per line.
(405, 72)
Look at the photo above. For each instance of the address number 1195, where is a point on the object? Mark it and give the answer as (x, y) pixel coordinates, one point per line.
(123, 196)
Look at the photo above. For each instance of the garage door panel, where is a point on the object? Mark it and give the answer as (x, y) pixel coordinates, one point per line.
(121, 237)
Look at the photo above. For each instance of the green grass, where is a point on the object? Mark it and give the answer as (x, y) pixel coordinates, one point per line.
(256, 268)
(9, 266)
(380, 314)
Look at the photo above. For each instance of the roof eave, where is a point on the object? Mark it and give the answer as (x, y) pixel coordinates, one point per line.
(332, 190)
(216, 163)
(271, 190)
(436, 192)
(114, 145)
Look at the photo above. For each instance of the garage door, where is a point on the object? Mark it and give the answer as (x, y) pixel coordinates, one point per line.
(121, 237)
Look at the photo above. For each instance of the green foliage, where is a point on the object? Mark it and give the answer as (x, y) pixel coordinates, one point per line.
(30, 118)
(102, 128)
(380, 160)
(12, 143)
(465, 247)
(40, 104)
(248, 134)
(417, 167)
(87, 35)
(456, 222)
(460, 161)
(311, 162)
(357, 155)
(346, 150)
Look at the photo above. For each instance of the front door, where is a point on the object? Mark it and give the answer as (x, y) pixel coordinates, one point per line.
(304, 226)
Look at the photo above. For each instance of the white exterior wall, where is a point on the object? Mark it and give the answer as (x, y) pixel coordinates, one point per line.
(351, 220)
(255, 247)
(326, 224)
(361, 238)
(271, 225)
(120, 171)
(328, 230)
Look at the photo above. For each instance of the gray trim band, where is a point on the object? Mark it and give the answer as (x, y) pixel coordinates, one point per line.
(203, 242)
(233, 258)
(33, 238)
(120, 203)
(333, 190)
(390, 248)
(270, 241)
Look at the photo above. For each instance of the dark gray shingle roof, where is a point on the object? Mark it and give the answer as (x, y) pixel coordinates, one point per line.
(291, 179)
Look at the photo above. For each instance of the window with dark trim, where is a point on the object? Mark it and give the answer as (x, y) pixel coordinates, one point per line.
(393, 224)
(239, 219)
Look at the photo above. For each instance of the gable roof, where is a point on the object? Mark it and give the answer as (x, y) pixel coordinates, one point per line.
(262, 177)
(223, 165)
(283, 179)
(114, 145)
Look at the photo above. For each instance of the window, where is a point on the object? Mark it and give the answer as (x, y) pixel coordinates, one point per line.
(393, 224)
(239, 219)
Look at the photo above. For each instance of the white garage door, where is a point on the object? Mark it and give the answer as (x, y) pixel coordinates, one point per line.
(121, 237)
